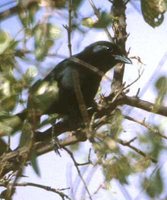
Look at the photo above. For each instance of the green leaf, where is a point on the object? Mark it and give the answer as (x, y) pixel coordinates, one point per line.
(153, 185)
(152, 142)
(118, 168)
(142, 164)
(45, 35)
(116, 123)
(29, 75)
(161, 88)
(27, 16)
(104, 20)
(60, 3)
(5, 40)
(3, 147)
(153, 11)
(8, 124)
(76, 3)
(34, 163)
(7, 52)
(54, 32)
(26, 135)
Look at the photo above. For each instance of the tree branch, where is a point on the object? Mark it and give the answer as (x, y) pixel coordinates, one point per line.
(145, 105)
(120, 35)
(11, 161)
(47, 188)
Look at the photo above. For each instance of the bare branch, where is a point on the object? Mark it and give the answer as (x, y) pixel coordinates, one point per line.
(128, 144)
(69, 30)
(97, 13)
(143, 123)
(78, 170)
(145, 105)
(11, 161)
(47, 188)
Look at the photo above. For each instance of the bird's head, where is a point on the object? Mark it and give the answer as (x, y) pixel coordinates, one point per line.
(105, 54)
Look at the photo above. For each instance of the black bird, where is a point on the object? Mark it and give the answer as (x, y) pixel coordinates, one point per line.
(56, 93)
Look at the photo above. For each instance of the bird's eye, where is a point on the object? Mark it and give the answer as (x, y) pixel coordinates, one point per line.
(100, 48)
(109, 49)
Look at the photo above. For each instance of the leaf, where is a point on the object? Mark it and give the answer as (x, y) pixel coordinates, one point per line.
(161, 87)
(3, 147)
(7, 100)
(118, 168)
(88, 22)
(154, 185)
(60, 3)
(34, 163)
(25, 138)
(45, 35)
(142, 164)
(5, 40)
(27, 16)
(76, 4)
(29, 75)
(104, 20)
(153, 11)
(7, 52)
(8, 125)
(116, 123)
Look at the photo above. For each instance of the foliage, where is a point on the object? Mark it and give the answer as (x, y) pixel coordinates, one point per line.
(153, 11)
(38, 38)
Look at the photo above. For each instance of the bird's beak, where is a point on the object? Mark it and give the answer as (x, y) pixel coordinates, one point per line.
(123, 59)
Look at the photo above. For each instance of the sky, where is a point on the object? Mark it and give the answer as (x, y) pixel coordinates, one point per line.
(150, 44)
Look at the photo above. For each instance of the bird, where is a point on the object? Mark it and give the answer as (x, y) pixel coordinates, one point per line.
(56, 93)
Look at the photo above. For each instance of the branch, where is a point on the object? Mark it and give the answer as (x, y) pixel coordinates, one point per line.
(9, 13)
(149, 127)
(78, 170)
(128, 144)
(17, 9)
(120, 35)
(20, 169)
(69, 26)
(145, 105)
(47, 188)
(97, 13)
(11, 161)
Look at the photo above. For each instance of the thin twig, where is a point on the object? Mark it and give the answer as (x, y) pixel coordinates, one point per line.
(128, 144)
(78, 170)
(145, 105)
(11, 186)
(139, 76)
(143, 123)
(47, 188)
(69, 29)
(97, 13)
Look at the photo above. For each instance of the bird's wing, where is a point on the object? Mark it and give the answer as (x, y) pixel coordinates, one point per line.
(43, 94)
